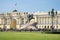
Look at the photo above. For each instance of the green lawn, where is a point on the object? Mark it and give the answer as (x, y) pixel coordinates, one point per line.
(28, 36)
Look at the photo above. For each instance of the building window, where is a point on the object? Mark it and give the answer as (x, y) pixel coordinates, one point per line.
(8, 21)
(56, 26)
(48, 26)
(45, 26)
(24, 13)
(22, 21)
(17, 14)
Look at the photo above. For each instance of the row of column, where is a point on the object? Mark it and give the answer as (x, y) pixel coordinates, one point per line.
(47, 20)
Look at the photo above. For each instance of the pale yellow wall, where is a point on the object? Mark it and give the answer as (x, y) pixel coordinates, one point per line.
(39, 16)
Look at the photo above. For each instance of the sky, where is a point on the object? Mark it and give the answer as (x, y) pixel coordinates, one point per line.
(29, 5)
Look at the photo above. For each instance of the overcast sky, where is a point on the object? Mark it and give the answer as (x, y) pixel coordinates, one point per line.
(29, 5)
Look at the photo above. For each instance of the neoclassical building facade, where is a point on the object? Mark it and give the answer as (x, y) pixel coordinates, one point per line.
(13, 19)
(17, 19)
(44, 20)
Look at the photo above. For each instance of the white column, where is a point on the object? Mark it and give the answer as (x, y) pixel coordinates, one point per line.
(36, 19)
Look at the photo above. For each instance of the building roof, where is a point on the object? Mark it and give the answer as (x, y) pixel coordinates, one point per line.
(15, 10)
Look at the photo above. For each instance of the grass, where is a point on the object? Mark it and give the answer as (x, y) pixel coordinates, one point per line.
(28, 36)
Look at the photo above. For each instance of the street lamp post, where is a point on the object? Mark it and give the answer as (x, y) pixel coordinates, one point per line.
(52, 14)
